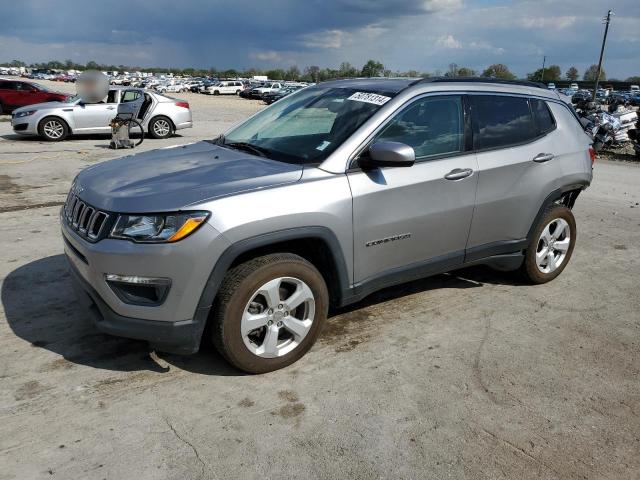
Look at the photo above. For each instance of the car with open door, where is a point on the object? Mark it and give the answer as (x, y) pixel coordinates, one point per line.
(160, 115)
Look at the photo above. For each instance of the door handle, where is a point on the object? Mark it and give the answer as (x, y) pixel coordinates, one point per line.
(458, 173)
(110, 108)
(543, 157)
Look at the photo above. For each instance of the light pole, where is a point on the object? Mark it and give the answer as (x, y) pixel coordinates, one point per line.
(607, 19)
(544, 59)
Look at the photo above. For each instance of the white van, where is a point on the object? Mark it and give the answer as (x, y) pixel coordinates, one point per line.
(225, 88)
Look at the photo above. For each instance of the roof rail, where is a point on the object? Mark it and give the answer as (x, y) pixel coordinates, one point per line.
(524, 83)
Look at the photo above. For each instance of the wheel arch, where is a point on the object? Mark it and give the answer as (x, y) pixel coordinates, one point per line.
(318, 245)
(160, 115)
(566, 196)
(58, 117)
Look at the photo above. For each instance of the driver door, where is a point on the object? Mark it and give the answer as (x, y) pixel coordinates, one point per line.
(415, 220)
(95, 117)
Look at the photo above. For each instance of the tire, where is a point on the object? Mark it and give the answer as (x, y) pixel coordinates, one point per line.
(1, 109)
(216, 92)
(160, 128)
(237, 92)
(53, 129)
(272, 344)
(551, 245)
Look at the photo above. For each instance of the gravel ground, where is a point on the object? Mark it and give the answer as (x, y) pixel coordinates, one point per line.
(465, 375)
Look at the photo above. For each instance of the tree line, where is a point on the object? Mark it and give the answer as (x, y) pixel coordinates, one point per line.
(314, 73)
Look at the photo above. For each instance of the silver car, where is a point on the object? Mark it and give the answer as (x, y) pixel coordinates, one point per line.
(160, 115)
(324, 197)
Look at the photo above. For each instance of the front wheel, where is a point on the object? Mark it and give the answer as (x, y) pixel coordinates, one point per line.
(551, 245)
(53, 129)
(160, 128)
(269, 312)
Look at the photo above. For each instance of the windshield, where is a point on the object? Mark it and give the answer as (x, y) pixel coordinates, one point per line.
(72, 99)
(307, 126)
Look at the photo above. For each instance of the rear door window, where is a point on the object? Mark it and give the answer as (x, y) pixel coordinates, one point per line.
(544, 118)
(501, 121)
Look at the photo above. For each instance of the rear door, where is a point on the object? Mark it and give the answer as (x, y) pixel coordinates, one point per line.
(416, 217)
(515, 161)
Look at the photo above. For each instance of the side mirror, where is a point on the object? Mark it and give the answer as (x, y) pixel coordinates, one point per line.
(388, 154)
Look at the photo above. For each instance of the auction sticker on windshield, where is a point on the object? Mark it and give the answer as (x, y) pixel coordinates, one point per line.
(369, 98)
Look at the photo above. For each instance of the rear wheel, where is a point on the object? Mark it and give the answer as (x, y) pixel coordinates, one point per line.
(160, 127)
(551, 245)
(53, 129)
(269, 312)
(1, 109)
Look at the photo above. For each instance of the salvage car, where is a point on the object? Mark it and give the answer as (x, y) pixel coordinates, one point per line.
(16, 93)
(320, 199)
(160, 116)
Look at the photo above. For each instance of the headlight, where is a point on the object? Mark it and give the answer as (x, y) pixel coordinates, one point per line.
(25, 114)
(165, 228)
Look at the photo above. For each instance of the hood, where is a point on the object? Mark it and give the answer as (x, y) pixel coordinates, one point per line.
(173, 178)
(39, 106)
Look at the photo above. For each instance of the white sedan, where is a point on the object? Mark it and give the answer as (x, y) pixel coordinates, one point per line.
(159, 115)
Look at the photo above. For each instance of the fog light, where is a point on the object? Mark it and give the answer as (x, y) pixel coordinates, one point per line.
(136, 290)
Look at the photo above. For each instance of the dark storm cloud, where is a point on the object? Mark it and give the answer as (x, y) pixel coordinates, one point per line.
(278, 22)
(425, 35)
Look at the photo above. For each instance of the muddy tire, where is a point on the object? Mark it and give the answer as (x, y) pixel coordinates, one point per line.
(269, 312)
(551, 246)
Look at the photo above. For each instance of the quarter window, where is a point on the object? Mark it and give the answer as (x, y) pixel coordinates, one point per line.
(543, 116)
(432, 126)
(499, 121)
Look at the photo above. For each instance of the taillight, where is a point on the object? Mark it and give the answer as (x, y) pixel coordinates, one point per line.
(183, 104)
(592, 154)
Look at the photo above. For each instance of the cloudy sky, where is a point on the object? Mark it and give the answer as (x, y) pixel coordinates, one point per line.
(424, 35)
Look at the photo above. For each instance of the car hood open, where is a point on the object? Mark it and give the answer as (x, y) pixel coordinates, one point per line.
(173, 178)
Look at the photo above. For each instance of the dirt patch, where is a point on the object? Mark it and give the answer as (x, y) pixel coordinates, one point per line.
(246, 402)
(7, 185)
(29, 390)
(59, 364)
(619, 247)
(290, 411)
(288, 395)
(18, 208)
(337, 328)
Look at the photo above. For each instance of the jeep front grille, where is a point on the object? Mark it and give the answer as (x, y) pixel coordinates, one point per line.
(83, 218)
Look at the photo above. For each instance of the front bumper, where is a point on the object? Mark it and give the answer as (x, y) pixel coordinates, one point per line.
(176, 324)
(25, 125)
(181, 337)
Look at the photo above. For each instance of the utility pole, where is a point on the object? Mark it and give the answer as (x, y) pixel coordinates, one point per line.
(544, 59)
(607, 20)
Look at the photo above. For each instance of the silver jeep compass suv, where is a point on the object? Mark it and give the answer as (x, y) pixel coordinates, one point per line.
(329, 194)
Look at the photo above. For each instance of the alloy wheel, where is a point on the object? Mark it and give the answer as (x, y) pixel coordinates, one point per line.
(161, 128)
(278, 317)
(53, 129)
(553, 244)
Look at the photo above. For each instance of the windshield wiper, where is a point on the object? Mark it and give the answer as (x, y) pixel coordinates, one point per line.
(248, 147)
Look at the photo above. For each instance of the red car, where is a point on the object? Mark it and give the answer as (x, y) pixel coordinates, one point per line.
(15, 94)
